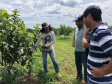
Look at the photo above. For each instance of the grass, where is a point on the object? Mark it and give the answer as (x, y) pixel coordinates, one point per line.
(66, 60)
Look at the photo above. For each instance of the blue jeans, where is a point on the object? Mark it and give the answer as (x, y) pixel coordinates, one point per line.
(53, 57)
(80, 59)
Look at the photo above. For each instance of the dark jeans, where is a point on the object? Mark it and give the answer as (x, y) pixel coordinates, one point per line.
(80, 59)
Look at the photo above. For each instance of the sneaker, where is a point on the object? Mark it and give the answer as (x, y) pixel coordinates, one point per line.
(46, 74)
(59, 75)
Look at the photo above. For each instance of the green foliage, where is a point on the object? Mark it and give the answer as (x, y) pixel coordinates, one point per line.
(106, 23)
(66, 60)
(65, 30)
(9, 77)
(15, 43)
(30, 30)
(56, 30)
(36, 32)
(68, 30)
(16, 58)
(110, 27)
(62, 29)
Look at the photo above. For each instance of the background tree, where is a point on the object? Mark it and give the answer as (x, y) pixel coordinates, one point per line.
(65, 30)
(108, 25)
(56, 30)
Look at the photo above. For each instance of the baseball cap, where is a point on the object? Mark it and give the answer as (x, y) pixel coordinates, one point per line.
(92, 9)
(77, 18)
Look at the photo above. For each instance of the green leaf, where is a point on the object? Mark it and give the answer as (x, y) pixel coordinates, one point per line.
(15, 25)
(11, 46)
(4, 43)
(4, 12)
(4, 19)
(0, 33)
(10, 21)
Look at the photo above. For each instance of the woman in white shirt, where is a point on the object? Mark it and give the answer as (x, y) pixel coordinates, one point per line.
(48, 39)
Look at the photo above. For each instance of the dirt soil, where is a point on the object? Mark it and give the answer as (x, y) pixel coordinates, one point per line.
(27, 79)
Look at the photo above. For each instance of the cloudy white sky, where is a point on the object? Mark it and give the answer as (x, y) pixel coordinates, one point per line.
(55, 12)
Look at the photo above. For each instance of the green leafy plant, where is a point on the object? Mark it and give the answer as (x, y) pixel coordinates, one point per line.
(15, 43)
(65, 30)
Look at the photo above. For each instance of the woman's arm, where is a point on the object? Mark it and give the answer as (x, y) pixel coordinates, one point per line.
(36, 44)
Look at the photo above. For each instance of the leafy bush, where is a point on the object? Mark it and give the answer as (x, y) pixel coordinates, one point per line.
(110, 27)
(15, 43)
(65, 30)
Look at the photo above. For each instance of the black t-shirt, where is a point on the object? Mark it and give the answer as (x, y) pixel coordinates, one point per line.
(89, 35)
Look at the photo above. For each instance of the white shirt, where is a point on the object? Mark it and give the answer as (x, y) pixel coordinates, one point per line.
(47, 39)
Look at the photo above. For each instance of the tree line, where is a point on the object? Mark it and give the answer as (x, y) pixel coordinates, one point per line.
(63, 30)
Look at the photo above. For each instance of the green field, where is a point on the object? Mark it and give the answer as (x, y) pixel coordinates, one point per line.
(66, 61)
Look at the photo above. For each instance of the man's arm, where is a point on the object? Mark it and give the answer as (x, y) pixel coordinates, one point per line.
(73, 42)
(111, 53)
(85, 44)
(104, 70)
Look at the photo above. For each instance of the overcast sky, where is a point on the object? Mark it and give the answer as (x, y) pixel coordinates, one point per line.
(55, 12)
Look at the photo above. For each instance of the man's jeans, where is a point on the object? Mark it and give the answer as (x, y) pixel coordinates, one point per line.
(53, 57)
(79, 59)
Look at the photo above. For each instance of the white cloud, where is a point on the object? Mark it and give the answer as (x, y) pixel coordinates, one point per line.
(6, 7)
(17, 2)
(55, 12)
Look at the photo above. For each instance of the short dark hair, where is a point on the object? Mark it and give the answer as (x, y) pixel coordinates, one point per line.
(96, 17)
(95, 12)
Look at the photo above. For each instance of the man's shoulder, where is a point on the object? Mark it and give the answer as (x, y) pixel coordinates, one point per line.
(103, 27)
(76, 29)
(84, 26)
